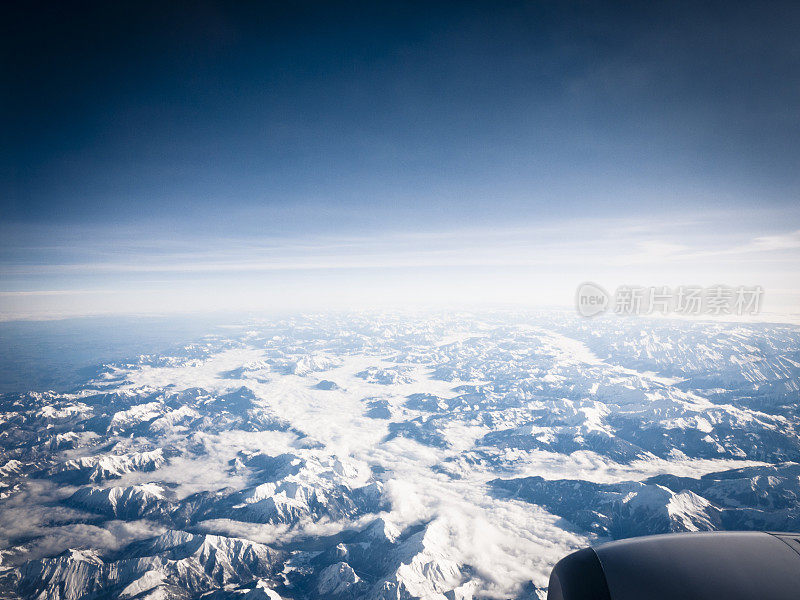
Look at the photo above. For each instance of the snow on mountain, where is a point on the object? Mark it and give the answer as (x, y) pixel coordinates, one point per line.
(172, 562)
(387, 376)
(749, 498)
(100, 468)
(449, 456)
(423, 567)
(337, 579)
(141, 413)
(11, 467)
(690, 512)
(309, 363)
(129, 503)
(619, 510)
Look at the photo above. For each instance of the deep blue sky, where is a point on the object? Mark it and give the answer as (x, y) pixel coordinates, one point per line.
(159, 125)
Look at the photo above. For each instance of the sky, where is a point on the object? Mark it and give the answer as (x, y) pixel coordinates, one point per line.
(167, 157)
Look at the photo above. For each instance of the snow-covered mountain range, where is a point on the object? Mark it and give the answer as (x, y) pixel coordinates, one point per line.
(444, 456)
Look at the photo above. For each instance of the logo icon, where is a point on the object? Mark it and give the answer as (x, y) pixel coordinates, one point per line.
(591, 299)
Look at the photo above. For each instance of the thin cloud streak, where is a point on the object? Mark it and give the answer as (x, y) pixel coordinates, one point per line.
(515, 248)
(534, 265)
